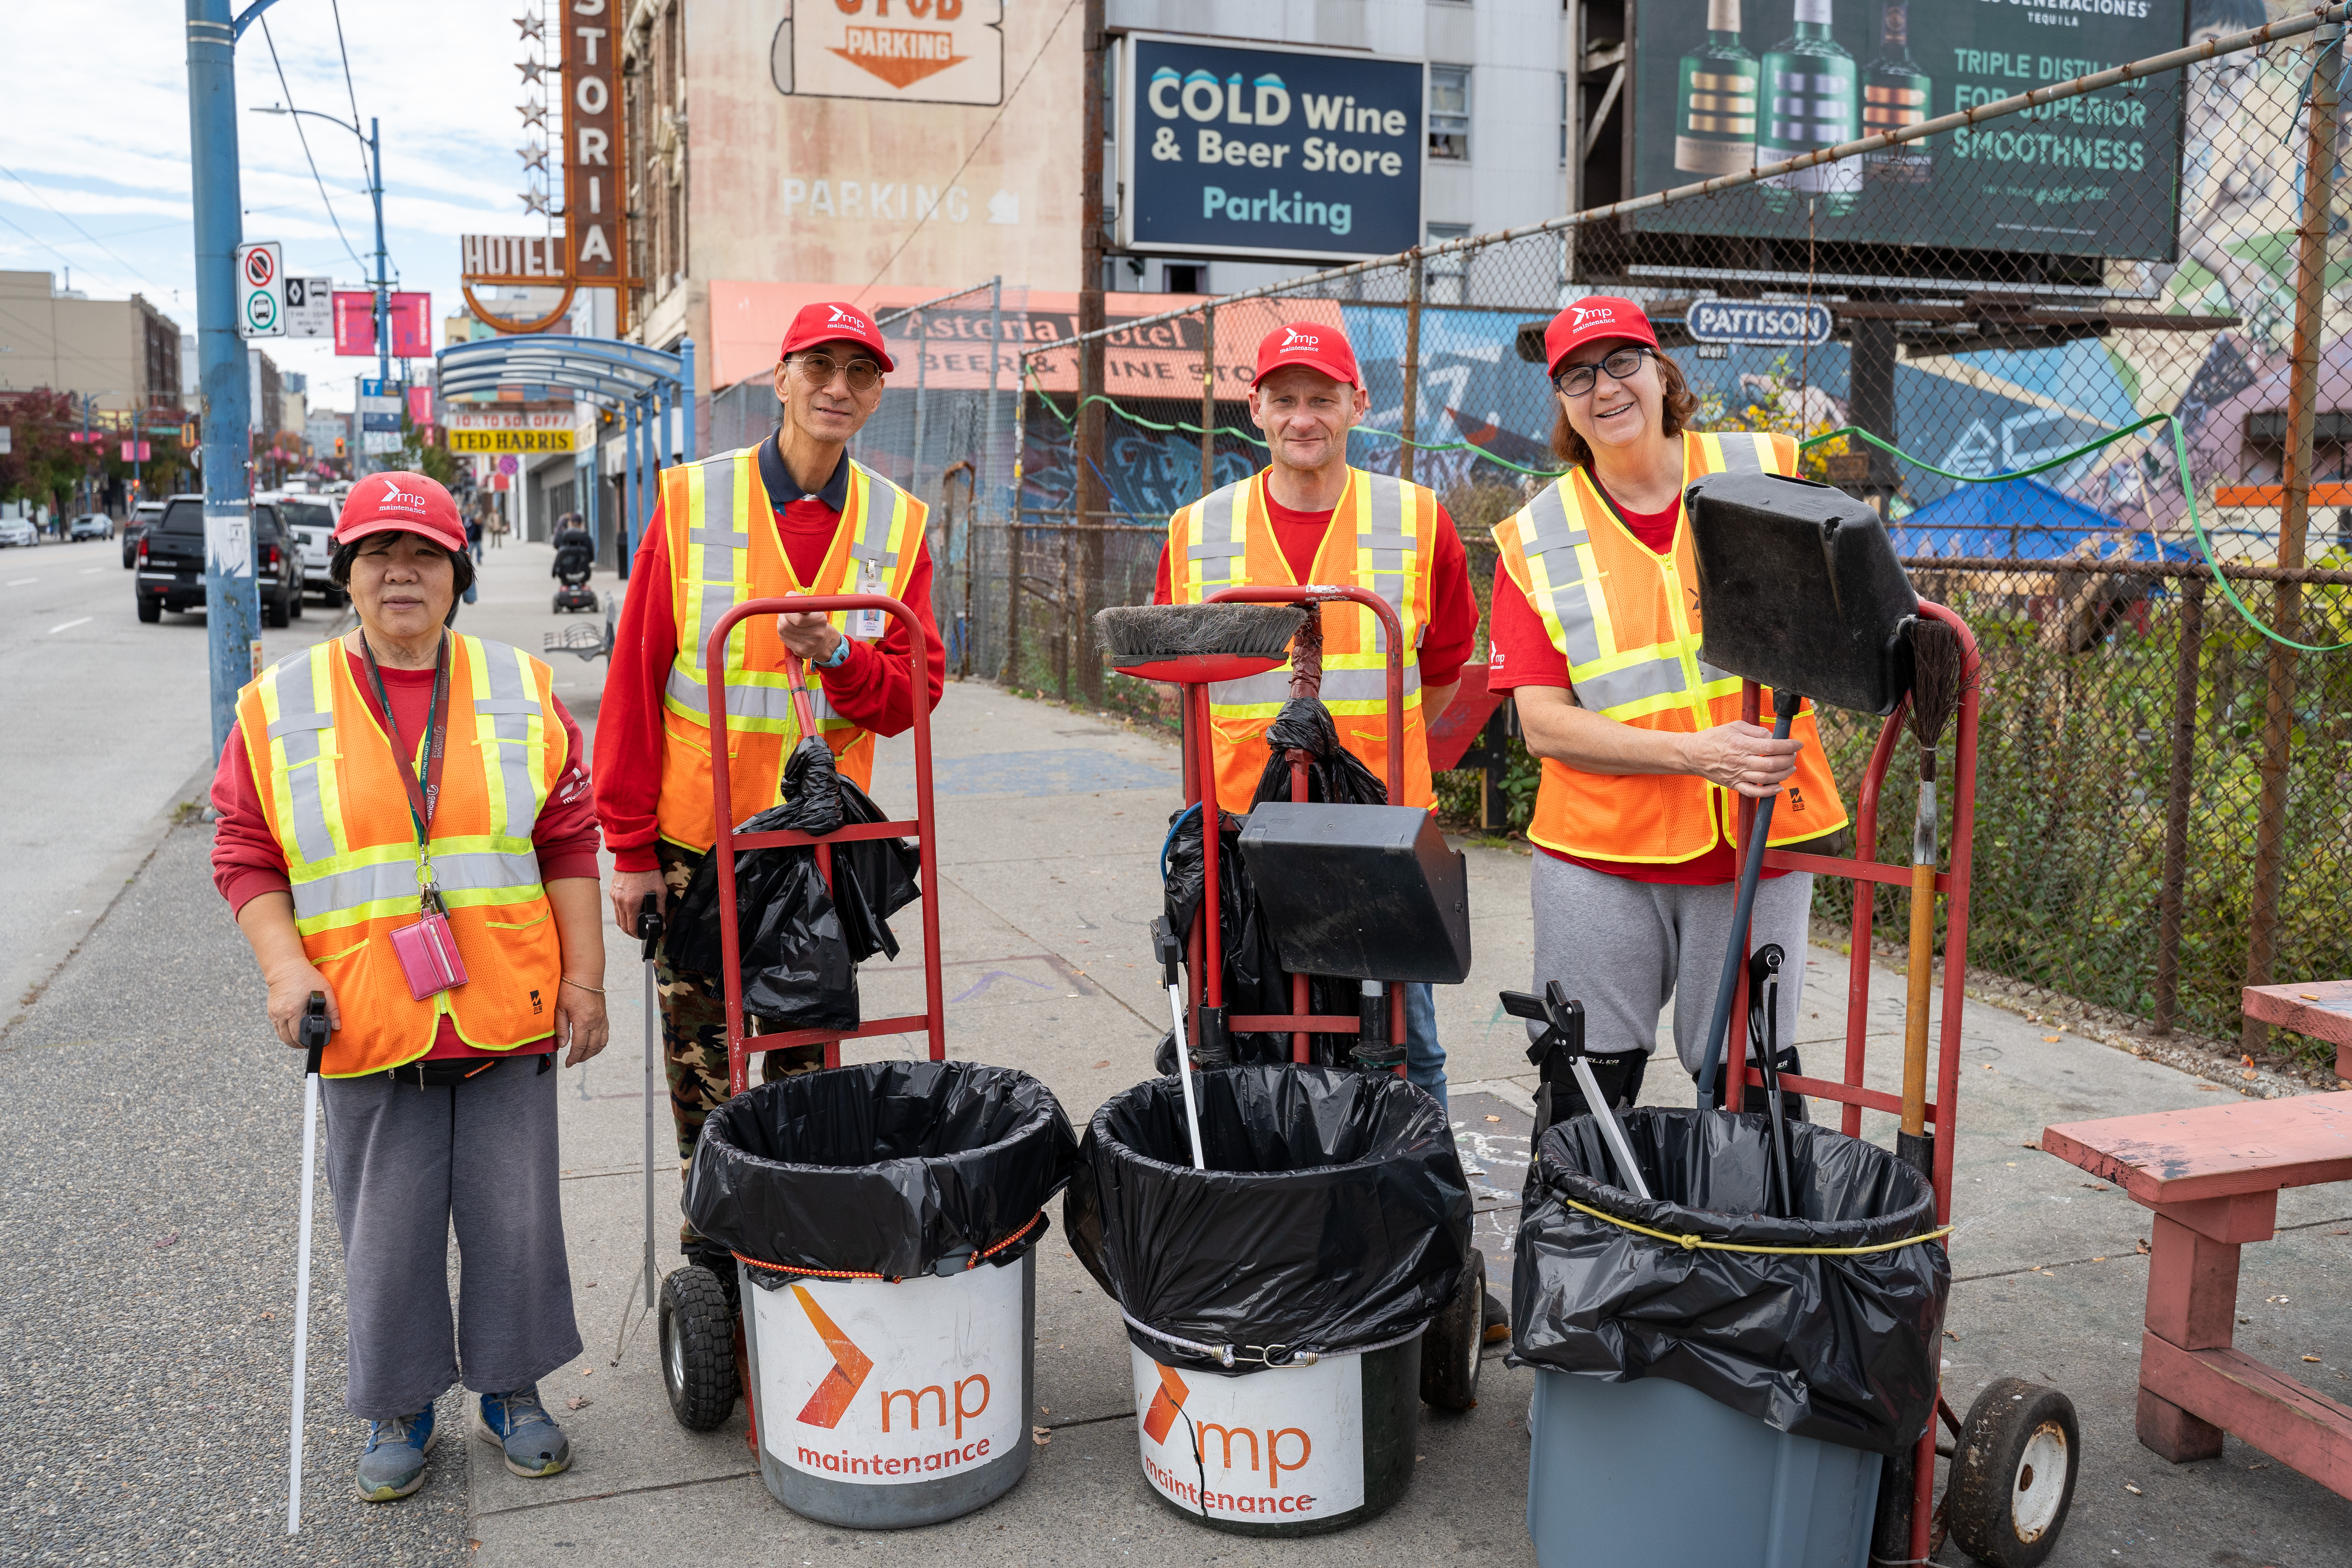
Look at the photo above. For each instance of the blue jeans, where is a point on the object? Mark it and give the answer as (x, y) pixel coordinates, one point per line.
(1425, 1058)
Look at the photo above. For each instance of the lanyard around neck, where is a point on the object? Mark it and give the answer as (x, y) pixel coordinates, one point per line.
(424, 796)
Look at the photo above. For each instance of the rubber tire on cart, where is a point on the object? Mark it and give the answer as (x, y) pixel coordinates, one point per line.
(294, 603)
(151, 610)
(698, 1349)
(2013, 1473)
(1452, 1346)
(273, 611)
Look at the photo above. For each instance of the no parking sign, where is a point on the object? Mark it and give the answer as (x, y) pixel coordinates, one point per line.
(260, 290)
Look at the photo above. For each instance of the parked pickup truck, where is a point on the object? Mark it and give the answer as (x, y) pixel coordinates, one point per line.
(310, 519)
(170, 574)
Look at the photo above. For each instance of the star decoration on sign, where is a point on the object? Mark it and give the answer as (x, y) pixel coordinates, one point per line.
(532, 114)
(533, 157)
(534, 201)
(532, 26)
(531, 69)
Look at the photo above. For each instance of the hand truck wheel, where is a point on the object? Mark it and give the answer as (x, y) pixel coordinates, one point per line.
(698, 1349)
(1452, 1346)
(2013, 1472)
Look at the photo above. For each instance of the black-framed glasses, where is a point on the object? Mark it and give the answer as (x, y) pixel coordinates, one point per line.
(1577, 380)
(817, 371)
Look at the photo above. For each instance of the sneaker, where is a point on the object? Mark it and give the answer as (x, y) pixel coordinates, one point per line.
(392, 1464)
(520, 1426)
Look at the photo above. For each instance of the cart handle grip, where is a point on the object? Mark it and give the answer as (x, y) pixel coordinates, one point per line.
(1325, 592)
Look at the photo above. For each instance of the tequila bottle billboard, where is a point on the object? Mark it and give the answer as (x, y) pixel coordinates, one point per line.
(1811, 101)
(1894, 95)
(1715, 103)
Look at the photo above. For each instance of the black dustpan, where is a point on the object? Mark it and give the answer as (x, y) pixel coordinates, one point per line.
(1800, 590)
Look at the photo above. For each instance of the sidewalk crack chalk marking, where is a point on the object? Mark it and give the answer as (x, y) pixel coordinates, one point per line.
(991, 978)
(624, 1491)
(68, 625)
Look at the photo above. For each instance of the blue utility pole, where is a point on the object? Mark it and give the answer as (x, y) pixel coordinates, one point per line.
(232, 591)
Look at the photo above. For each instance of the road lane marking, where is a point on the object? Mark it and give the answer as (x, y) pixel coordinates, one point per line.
(68, 625)
(91, 570)
(20, 582)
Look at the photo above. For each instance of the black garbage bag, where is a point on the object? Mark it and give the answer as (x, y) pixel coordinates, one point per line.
(890, 1168)
(1844, 1348)
(1333, 1216)
(1333, 771)
(800, 943)
(1254, 981)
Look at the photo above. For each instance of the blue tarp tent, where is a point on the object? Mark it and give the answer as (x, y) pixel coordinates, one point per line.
(2025, 519)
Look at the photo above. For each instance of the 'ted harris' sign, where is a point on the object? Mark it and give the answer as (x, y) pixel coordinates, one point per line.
(1304, 155)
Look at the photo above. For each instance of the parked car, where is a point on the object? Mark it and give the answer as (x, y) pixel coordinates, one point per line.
(310, 519)
(172, 564)
(141, 517)
(91, 525)
(17, 531)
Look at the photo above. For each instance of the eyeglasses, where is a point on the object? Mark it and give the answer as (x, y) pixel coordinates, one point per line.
(1577, 380)
(817, 370)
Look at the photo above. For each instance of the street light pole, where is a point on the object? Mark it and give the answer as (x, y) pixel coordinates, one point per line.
(232, 591)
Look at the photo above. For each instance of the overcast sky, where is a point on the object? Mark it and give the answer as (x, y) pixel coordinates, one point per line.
(96, 135)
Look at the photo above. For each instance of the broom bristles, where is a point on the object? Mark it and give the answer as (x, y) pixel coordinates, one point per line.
(1165, 631)
(1938, 671)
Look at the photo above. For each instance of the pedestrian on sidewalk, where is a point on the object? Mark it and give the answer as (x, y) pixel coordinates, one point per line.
(1645, 757)
(792, 515)
(474, 537)
(368, 777)
(1309, 517)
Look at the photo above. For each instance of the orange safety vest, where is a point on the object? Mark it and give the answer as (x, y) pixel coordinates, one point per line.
(723, 550)
(332, 793)
(1626, 619)
(1383, 538)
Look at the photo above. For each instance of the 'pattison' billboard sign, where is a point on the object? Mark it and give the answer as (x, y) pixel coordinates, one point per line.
(1306, 155)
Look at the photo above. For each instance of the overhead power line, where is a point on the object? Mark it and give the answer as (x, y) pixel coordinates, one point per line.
(127, 268)
(305, 140)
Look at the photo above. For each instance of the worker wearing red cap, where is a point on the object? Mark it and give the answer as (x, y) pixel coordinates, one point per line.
(1645, 757)
(792, 515)
(400, 787)
(1309, 517)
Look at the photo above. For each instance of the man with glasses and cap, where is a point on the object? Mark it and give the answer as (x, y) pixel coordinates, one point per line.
(793, 515)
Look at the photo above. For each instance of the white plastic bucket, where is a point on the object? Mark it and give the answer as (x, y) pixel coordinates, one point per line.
(882, 1405)
(1294, 1451)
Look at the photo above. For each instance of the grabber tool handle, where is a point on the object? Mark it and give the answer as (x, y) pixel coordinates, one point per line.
(314, 1031)
(649, 925)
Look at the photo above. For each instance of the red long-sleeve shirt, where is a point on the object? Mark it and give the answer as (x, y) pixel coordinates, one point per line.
(1453, 608)
(873, 689)
(248, 862)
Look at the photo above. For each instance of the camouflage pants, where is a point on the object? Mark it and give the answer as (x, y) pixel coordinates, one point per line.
(694, 1033)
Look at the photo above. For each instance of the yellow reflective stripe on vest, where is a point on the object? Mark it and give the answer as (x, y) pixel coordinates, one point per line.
(1567, 580)
(378, 888)
(510, 729)
(1386, 557)
(718, 548)
(298, 698)
(1217, 533)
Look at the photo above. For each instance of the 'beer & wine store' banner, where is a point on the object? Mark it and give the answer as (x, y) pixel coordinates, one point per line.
(1722, 86)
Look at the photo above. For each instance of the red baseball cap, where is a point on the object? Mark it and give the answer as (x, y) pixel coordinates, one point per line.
(398, 502)
(1312, 344)
(1592, 319)
(819, 324)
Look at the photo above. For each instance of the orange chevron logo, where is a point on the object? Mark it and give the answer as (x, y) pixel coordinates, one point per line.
(1166, 1400)
(831, 1401)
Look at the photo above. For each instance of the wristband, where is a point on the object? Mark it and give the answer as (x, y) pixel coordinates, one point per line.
(836, 659)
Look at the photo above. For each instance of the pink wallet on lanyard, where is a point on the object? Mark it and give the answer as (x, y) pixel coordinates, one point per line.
(428, 956)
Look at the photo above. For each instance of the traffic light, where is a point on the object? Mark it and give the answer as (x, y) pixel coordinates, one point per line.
(338, 445)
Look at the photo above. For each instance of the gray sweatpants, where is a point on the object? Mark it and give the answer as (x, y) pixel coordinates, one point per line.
(1623, 947)
(405, 1165)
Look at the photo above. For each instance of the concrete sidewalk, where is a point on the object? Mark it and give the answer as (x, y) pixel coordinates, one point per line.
(1050, 824)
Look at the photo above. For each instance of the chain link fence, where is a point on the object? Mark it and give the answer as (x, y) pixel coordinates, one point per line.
(2084, 348)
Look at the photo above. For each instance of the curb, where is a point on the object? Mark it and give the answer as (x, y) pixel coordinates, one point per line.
(67, 933)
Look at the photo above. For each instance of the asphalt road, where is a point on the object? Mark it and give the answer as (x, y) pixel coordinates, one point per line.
(105, 719)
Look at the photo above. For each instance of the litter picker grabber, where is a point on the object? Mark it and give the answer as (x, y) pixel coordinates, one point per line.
(649, 932)
(1563, 1022)
(703, 1360)
(313, 1037)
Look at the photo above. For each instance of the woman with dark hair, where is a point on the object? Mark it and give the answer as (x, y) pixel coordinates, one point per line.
(406, 829)
(1596, 636)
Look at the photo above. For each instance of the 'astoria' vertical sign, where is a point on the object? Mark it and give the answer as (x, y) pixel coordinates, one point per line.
(593, 173)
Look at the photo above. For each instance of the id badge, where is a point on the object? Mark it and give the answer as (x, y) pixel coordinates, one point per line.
(865, 626)
(428, 956)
